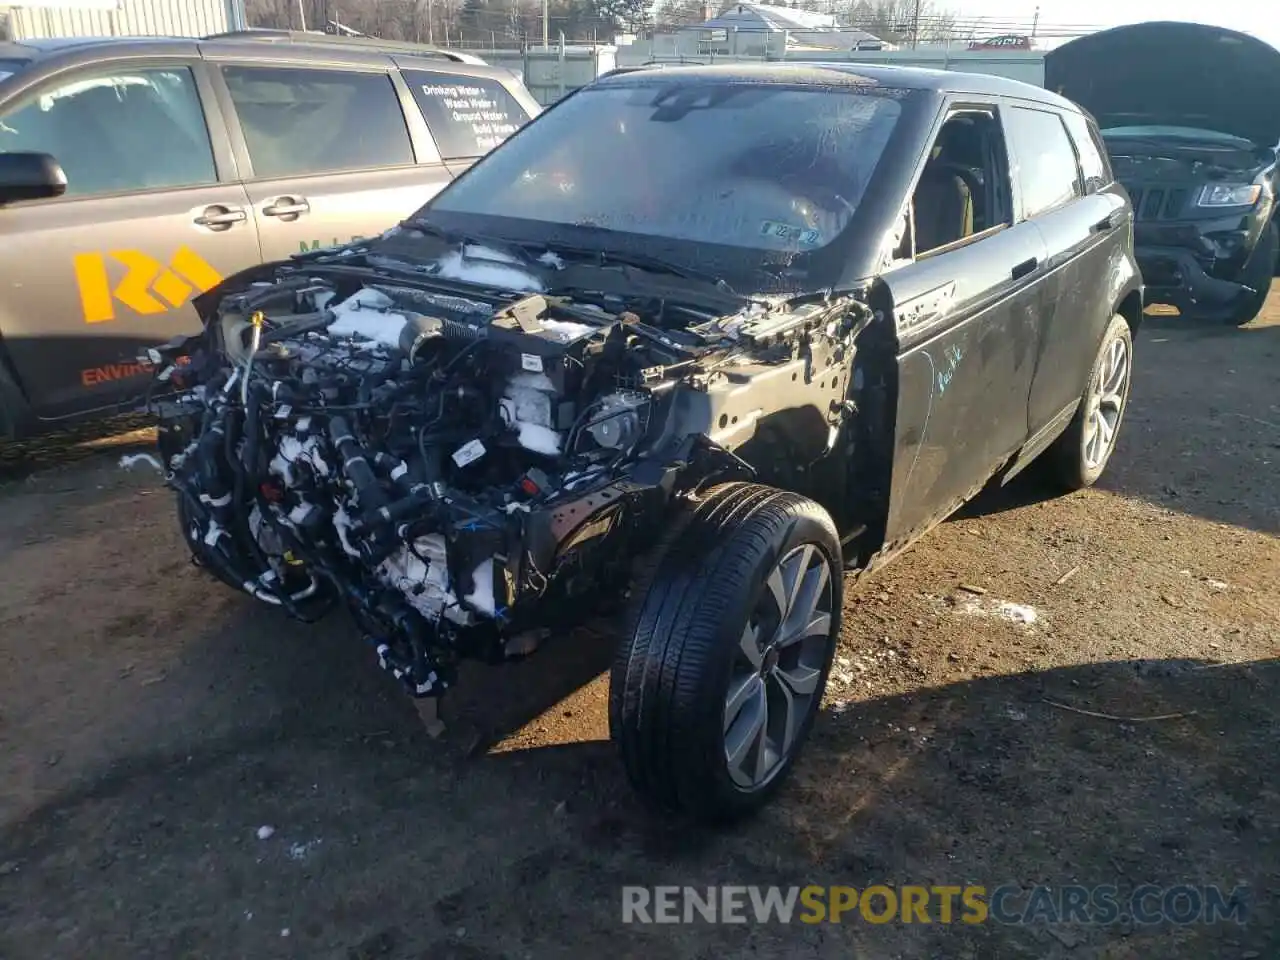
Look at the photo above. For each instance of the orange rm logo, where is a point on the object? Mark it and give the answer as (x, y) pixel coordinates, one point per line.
(148, 286)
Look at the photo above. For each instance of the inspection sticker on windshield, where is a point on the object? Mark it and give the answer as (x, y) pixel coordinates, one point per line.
(805, 236)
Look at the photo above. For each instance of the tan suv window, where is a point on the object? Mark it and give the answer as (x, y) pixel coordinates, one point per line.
(301, 121)
(123, 131)
(468, 116)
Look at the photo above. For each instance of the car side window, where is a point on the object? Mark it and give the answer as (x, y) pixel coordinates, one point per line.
(468, 116)
(963, 190)
(1093, 159)
(301, 121)
(116, 132)
(1045, 165)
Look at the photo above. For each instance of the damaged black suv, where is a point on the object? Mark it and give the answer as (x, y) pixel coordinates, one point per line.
(1190, 116)
(687, 347)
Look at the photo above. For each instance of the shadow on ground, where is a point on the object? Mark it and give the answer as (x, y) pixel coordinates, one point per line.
(125, 432)
(1198, 431)
(386, 844)
(1204, 423)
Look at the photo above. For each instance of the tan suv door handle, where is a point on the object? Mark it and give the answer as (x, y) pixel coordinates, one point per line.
(220, 218)
(286, 207)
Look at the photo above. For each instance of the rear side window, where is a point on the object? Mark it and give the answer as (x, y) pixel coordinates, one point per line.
(1044, 160)
(117, 132)
(299, 122)
(468, 116)
(1093, 157)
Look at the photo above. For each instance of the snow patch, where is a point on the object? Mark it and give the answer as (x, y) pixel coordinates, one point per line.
(1000, 609)
(365, 314)
(131, 459)
(532, 381)
(538, 439)
(567, 331)
(528, 407)
(481, 598)
(487, 268)
(300, 851)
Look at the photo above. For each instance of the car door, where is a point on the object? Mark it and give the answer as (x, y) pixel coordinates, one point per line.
(965, 318)
(1068, 194)
(327, 151)
(468, 115)
(152, 216)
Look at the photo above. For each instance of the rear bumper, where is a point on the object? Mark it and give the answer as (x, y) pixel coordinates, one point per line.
(1174, 276)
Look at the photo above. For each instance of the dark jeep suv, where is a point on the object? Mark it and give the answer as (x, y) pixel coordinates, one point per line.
(1189, 116)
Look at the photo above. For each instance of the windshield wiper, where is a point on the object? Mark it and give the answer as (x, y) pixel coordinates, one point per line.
(644, 261)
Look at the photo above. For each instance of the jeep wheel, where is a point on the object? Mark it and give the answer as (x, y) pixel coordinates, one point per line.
(1258, 273)
(729, 640)
(1078, 457)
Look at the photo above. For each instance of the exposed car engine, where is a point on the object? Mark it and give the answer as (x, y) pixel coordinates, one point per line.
(453, 469)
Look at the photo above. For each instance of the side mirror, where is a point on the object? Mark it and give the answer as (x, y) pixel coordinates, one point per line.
(30, 176)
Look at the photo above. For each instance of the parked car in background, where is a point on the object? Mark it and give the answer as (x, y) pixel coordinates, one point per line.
(1189, 115)
(696, 338)
(137, 173)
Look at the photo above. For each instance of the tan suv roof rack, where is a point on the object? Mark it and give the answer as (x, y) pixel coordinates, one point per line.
(371, 43)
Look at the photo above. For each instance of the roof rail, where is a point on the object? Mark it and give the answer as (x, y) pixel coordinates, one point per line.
(265, 35)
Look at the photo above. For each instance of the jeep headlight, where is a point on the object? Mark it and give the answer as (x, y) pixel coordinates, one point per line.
(1229, 195)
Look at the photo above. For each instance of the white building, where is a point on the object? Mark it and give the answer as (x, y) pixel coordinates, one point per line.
(764, 30)
(42, 19)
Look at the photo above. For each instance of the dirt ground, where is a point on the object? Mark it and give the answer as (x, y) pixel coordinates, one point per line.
(151, 723)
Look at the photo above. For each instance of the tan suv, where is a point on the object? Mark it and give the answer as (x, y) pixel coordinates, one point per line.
(136, 173)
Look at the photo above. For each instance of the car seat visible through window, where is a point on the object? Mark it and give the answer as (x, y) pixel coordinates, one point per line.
(943, 207)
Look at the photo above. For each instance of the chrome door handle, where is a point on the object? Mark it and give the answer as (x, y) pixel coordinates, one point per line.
(286, 207)
(214, 217)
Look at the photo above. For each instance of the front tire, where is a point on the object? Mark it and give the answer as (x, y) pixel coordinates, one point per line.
(1077, 458)
(725, 658)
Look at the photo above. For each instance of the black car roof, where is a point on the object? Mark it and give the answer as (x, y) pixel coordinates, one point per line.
(853, 74)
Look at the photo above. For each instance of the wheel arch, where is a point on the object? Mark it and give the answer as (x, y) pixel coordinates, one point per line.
(1130, 307)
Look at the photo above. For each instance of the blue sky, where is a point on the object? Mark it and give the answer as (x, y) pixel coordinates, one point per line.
(1260, 19)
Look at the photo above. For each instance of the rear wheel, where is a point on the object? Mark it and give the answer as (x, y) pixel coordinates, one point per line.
(729, 641)
(1077, 458)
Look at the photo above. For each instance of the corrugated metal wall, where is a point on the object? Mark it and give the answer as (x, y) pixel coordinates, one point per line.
(132, 18)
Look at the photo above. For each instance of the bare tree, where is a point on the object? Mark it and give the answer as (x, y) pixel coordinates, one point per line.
(680, 13)
(901, 21)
